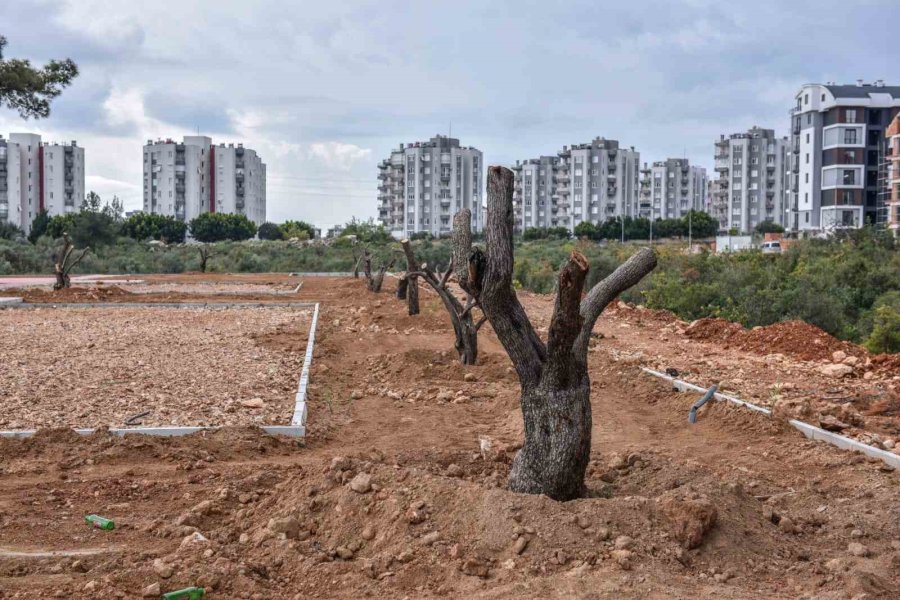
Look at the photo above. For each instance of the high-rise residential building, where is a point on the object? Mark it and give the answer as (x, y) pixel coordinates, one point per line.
(837, 134)
(750, 188)
(585, 182)
(888, 215)
(36, 175)
(195, 176)
(675, 188)
(423, 184)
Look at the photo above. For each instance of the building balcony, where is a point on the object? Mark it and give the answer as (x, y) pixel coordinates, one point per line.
(612, 167)
(563, 191)
(563, 178)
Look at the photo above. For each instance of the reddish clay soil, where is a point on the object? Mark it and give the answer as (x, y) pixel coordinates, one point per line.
(397, 492)
(793, 338)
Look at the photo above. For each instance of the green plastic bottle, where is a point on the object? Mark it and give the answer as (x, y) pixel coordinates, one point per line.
(100, 523)
(191, 593)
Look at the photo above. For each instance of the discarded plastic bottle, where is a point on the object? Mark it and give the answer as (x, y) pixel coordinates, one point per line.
(191, 593)
(100, 523)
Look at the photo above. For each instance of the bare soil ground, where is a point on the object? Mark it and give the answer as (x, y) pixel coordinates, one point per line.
(398, 490)
(95, 367)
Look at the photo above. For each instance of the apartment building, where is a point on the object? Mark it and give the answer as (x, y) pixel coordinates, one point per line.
(36, 175)
(837, 136)
(888, 215)
(750, 187)
(423, 184)
(188, 178)
(672, 188)
(585, 182)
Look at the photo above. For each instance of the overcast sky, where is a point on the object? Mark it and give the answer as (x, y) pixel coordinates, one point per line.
(324, 90)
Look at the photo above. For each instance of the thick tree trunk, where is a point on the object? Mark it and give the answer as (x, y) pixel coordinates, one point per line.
(556, 390)
(62, 281)
(64, 262)
(557, 446)
(412, 291)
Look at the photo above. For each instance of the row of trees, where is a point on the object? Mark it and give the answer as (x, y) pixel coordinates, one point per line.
(696, 223)
(99, 224)
(553, 375)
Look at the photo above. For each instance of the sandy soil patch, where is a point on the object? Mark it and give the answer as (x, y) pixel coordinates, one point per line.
(96, 367)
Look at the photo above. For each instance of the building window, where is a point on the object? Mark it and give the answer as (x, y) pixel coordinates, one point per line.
(851, 115)
(850, 136)
(849, 177)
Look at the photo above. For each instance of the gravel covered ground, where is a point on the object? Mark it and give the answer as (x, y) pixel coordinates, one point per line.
(96, 367)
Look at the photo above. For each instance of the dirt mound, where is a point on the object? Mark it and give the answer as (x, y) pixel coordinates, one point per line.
(100, 293)
(793, 338)
(798, 339)
(713, 329)
(441, 524)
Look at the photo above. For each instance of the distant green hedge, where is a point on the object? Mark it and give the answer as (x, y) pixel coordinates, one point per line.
(850, 287)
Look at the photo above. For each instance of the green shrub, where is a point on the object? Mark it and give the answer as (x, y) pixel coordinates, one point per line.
(218, 227)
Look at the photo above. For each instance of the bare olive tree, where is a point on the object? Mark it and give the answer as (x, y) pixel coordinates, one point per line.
(374, 280)
(555, 387)
(465, 327)
(64, 261)
(408, 286)
(205, 254)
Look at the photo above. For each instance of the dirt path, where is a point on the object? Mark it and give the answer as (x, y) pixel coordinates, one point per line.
(390, 404)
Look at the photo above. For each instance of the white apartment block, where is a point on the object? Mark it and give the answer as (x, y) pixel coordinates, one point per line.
(672, 188)
(423, 184)
(837, 136)
(186, 179)
(37, 176)
(750, 188)
(590, 182)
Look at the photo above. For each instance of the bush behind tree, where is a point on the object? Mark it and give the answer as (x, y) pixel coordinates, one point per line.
(218, 227)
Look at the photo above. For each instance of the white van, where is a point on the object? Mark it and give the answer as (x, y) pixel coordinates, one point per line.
(772, 247)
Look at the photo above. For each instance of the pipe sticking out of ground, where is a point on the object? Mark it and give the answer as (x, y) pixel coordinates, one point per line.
(710, 393)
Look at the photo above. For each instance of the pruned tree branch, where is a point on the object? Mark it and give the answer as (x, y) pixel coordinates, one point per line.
(565, 325)
(625, 276)
(496, 294)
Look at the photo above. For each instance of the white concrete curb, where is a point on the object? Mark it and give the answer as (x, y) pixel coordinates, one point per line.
(299, 418)
(297, 428)
(810, 431)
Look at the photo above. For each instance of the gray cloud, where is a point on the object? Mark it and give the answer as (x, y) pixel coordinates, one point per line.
(325, 90)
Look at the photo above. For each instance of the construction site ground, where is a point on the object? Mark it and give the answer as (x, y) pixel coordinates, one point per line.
(398, 489)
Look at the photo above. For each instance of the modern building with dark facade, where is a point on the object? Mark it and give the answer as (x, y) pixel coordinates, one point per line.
(837, 137)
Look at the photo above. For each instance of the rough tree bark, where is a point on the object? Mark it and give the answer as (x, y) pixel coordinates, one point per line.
(205, 255)
(374, 280)
(408, 288)
(64, 262)
(464, 325)
(556, 403)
